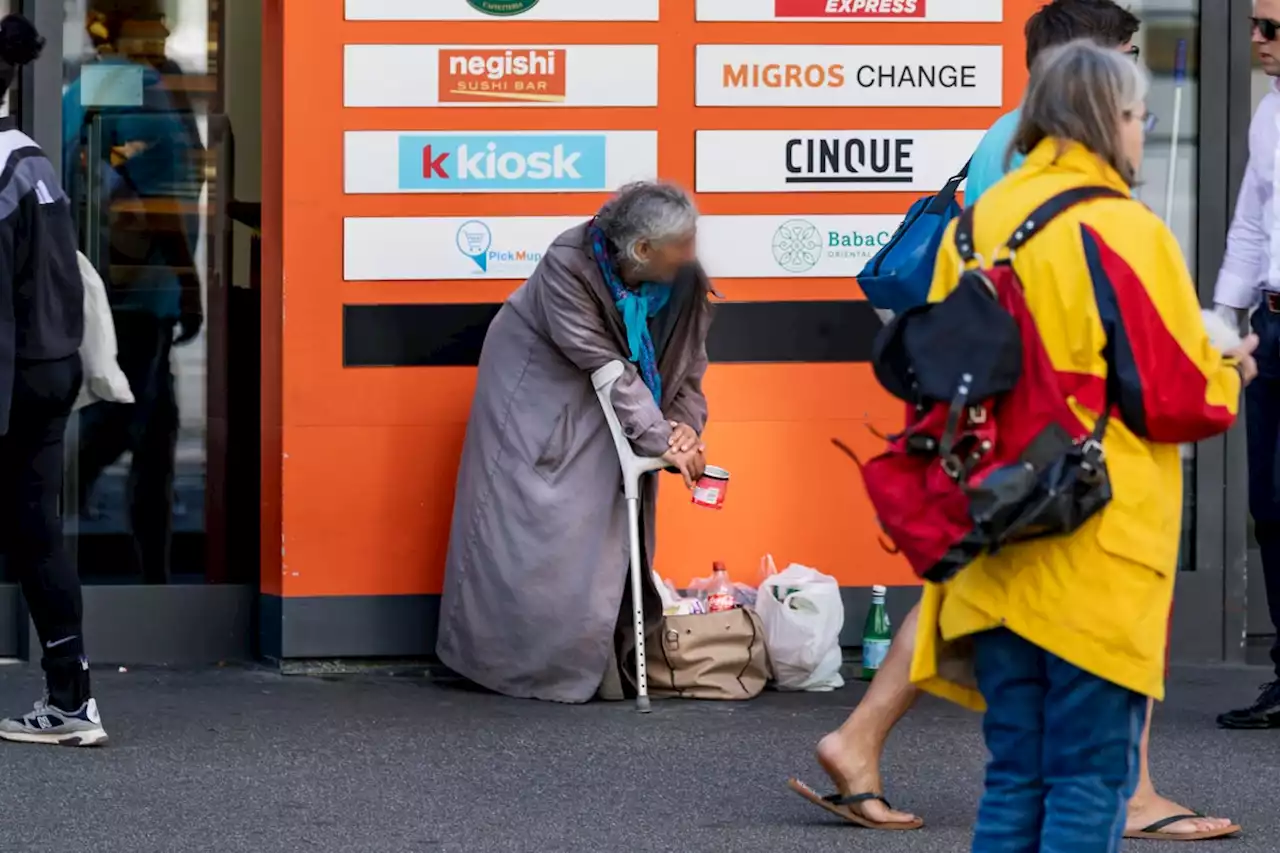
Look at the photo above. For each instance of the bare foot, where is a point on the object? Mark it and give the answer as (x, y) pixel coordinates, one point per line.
(1146, 810)
(855, 772)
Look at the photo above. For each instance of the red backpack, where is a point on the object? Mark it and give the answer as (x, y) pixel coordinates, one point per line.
(991, 452)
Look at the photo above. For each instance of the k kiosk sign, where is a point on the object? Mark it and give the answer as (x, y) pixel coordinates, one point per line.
(497, 162)
(469, 138)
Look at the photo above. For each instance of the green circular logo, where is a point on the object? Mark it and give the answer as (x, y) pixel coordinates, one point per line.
(797, 246)
(502, 8)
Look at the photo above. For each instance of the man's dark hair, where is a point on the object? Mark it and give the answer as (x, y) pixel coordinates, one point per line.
(1061, 21)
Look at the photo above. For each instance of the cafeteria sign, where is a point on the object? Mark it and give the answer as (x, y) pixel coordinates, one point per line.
(502, 8)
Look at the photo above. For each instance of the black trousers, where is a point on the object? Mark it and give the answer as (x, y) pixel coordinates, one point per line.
(148, 429)
(1262, 424)
(31, 463)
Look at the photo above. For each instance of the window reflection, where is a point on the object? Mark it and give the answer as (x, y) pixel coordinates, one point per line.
(1165, 24)
(136, 100)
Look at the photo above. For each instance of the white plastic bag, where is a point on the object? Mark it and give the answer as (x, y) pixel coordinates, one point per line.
(802, 615)
(103, 378)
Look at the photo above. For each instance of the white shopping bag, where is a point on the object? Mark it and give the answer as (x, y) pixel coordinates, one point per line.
(802, 615)
(103, 378)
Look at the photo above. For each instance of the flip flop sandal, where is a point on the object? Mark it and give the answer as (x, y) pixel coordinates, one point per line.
(843, 806)
(1156, 830)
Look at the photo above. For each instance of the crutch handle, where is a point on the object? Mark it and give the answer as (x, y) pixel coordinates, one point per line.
(633, 466)
(607, 375)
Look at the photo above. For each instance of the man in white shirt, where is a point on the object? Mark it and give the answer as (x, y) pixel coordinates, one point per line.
(1250, 277)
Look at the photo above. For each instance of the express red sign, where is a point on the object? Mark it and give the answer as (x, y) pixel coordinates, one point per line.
(849, 8)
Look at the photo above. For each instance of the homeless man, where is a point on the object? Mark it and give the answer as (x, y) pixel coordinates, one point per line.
(538, 550)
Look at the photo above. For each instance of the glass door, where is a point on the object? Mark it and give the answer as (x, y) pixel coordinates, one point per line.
(1181, 183)
(1169, 41)
(139, 82)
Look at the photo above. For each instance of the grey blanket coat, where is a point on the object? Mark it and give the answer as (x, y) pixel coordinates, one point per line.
(538, 549)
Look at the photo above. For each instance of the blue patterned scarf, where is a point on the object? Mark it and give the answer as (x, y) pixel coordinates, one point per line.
(636, 307)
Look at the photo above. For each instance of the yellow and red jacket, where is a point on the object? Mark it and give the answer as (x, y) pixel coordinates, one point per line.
(1105, 282)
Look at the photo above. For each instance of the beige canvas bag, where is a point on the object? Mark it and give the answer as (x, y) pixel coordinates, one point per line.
(709, 656)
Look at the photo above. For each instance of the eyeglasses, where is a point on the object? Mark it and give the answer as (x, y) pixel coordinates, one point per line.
(1148, 119)
(1133, 52)
(1266, 27)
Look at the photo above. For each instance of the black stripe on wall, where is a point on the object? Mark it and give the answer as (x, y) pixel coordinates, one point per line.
(451, 335)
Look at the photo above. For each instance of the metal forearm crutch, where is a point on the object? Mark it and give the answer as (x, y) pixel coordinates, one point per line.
(633, 467)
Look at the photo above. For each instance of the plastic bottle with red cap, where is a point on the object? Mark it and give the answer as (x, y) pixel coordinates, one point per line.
(721, 595)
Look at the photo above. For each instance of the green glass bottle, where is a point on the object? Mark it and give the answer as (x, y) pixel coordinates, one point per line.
(876, 635)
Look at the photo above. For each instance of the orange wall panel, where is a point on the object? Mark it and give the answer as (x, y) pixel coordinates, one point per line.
(364, 460)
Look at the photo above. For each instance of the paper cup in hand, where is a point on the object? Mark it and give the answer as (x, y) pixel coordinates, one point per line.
(1222, 334)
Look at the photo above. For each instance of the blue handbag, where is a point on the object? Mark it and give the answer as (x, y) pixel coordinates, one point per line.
(900, 274)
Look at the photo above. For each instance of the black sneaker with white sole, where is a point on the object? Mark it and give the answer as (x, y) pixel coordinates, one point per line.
(1263, 714)
(49, 725)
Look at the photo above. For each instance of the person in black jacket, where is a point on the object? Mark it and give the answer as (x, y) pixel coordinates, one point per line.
(41, 327)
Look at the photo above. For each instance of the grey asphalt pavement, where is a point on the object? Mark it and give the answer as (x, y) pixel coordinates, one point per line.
(235, 760)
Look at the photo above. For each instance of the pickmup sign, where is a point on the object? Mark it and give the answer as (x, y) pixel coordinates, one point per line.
(988, 11)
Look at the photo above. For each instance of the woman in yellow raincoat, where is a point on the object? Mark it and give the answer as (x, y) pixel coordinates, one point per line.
(1062, 640)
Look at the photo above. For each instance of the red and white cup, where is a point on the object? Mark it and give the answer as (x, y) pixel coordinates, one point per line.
(711, 488)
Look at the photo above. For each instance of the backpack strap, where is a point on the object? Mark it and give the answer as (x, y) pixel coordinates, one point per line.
(948, 192)
(1034, 222)
(964, 235)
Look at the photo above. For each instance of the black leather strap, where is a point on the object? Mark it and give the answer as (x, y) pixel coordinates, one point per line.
(964, 235)
(1051, 209)
(1034, 222)
(855, 799)
(948, 192)
(1170, 821)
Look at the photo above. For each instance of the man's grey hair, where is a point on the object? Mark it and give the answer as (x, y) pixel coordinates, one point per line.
(1082, 92)
(646, 210)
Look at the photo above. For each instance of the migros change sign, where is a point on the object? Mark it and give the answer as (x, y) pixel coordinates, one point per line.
(849, 75)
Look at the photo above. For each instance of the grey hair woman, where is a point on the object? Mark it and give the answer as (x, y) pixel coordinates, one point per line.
(1095, 97)
(534, 579)
(1067, 635)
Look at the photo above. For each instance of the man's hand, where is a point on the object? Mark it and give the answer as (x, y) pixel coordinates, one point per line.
(1243, 355)
(684, 438)
(689, 464)
(122, 154)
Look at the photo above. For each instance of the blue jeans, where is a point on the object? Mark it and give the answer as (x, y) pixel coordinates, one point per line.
(1064, 751)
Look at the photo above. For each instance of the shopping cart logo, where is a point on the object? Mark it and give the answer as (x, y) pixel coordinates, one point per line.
(498, 258)
(474, 240)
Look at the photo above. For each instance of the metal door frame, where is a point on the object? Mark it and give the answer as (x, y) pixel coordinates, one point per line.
(1209, 606)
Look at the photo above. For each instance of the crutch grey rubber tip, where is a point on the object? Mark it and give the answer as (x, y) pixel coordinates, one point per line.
(642, 704)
